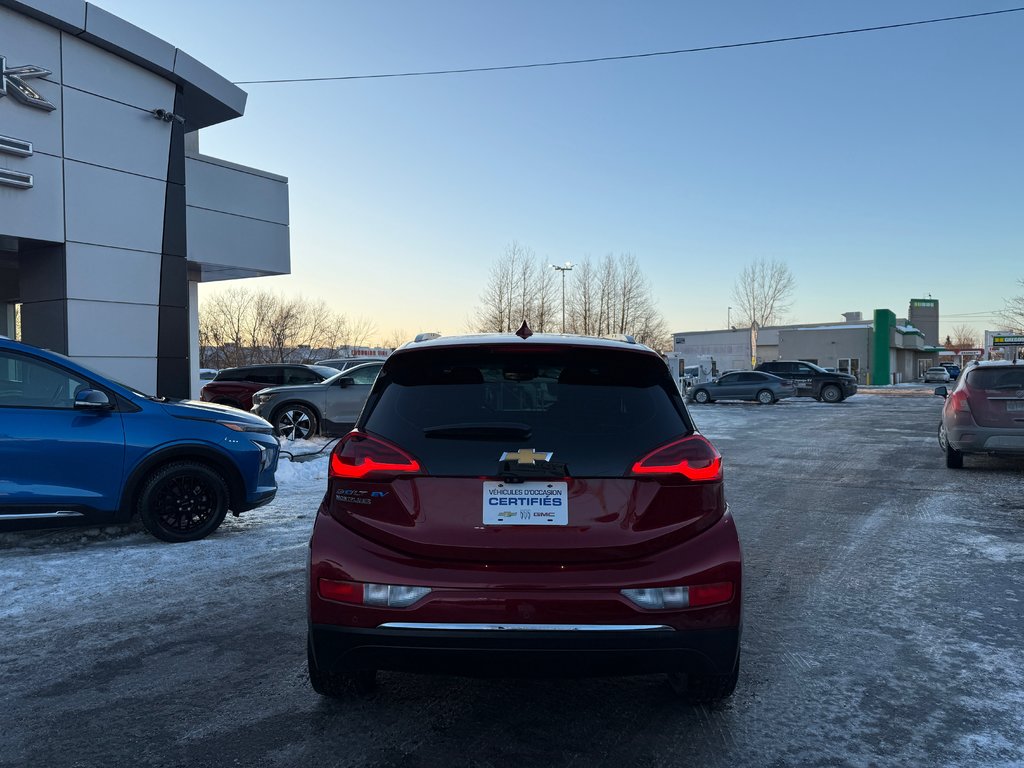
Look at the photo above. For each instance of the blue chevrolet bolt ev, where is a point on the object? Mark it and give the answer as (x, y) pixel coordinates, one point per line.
(78, 448)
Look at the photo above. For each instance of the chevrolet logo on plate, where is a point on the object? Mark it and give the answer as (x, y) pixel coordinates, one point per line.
(526, 456)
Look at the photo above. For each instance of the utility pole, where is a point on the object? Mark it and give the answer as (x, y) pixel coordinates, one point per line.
(728, 317)
(567, 267)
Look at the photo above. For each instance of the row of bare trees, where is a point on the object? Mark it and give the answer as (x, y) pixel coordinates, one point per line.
(602, 297)
(242, 326)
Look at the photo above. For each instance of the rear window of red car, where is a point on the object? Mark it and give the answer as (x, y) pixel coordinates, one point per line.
(597, 410)
(1008, 378)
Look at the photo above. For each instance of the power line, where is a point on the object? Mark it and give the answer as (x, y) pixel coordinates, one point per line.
(624, 57)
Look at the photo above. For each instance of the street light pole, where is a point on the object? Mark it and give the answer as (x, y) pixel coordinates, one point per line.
(728, 317)
(567, 267)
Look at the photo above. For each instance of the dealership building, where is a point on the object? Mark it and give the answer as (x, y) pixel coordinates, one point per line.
(882, 349)
(110, 216)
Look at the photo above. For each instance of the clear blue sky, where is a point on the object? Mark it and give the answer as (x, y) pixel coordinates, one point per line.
(879, 167)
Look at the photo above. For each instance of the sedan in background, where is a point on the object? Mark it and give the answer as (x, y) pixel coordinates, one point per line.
(984, 413)
(744, 385)
(330, 407)
(936, 374)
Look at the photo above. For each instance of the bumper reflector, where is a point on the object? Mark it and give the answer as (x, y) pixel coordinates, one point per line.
(662, 598)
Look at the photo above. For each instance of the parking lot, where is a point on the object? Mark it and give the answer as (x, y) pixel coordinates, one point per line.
(883, 626)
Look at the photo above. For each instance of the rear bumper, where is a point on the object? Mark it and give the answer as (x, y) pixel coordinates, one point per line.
(525, 652)
(977, 439)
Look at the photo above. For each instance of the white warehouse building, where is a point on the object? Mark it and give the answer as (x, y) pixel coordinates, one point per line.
(109, 214)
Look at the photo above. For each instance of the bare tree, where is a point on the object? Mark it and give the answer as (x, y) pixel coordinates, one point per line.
(762, 293)
(519, 288)
(241, 326)
(964, 337)
(1012, 315)
(396, 338)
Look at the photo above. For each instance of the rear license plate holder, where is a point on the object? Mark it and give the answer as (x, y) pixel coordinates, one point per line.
(533, 503)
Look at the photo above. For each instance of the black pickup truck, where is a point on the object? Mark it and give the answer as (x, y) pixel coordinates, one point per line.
(812, 380)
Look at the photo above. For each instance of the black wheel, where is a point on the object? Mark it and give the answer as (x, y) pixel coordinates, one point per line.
(295, 422)
(704, 688)
(830, 393)
(701, 396)
(765, 397)
(334, 685)
(954, 458)
(183, 501)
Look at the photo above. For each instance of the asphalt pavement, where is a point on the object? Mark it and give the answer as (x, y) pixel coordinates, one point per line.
(883, 627)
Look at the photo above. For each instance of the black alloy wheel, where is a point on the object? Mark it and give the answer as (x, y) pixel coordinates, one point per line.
(295, 422)
(183, 501)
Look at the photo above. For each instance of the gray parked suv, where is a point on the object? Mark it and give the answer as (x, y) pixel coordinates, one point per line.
(328, 408)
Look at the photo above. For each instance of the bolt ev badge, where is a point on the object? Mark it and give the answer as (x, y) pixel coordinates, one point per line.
(526, 456)
(12, 83)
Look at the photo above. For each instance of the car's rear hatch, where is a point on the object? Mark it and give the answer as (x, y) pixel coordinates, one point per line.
(996, 395)
(483, 431)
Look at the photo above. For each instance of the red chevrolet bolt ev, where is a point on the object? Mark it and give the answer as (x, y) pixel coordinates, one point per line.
(514, 506)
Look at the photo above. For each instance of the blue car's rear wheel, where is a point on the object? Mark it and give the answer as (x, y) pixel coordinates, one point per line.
(183, 501)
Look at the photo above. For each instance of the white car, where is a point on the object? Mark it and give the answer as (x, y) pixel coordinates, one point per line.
(938, 373)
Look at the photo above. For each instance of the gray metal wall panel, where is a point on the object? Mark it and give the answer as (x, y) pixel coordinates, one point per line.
(66, 14)
(36, 213)
(233, 241)
(105, 74)
(24, 41)
(138, 372)
(106, 133)
(112, 208)
(112, 274)
(131, 41)
(100, 328)
(217, 188)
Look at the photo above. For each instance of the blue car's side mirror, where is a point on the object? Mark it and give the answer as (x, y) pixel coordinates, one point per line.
(92, 400)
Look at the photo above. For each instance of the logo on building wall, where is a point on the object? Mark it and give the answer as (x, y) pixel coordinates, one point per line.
(12, 83)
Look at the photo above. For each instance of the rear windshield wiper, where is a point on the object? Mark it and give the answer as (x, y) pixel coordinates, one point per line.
(481, 431)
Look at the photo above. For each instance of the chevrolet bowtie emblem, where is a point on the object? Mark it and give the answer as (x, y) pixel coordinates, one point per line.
(12, 83)
(526, 456)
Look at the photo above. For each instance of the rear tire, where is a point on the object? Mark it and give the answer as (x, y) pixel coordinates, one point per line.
(334, 685)
(830, 393)
(183, 501)
(701, 396)
(954, 458)
(704, 688)
(765, 397)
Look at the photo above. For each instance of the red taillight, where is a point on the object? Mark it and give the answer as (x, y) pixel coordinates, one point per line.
(958, 402)
(358, 455)
(710, 594)
(340, 591)
(692, 457)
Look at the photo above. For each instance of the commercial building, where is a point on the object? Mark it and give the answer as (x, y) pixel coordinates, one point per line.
(882, 350)
(109, 214)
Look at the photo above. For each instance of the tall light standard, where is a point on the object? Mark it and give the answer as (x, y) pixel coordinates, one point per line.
(728, 317)
(563, 269)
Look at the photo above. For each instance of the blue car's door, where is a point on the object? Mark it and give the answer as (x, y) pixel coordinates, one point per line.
(54, 457)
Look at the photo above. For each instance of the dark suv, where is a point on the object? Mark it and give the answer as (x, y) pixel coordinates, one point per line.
(236, 386)
(538, 506)
(812, 380)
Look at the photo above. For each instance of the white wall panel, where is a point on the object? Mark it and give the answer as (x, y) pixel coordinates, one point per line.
(112, 274)
(112, 208)
(138, 372)
(26, 41)
(233, 241)
(103, 132)
(36, 213)
(231, 190)
(94, 70)
(99, 328)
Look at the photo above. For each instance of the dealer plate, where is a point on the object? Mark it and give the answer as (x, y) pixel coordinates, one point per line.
(1015, 405)
(535, 503)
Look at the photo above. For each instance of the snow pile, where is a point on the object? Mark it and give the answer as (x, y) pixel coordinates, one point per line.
(302, 473)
